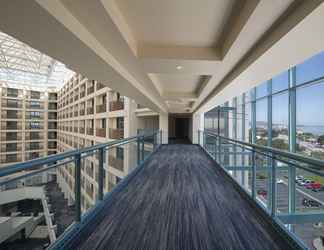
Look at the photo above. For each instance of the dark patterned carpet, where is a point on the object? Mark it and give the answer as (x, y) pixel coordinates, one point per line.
(180, 200)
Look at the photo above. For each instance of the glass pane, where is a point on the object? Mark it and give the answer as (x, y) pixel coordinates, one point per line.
(280, 82)
(262, 90)
(311, 69)
(248, 123)
(261, 122)
(280, 118)
(310, 120)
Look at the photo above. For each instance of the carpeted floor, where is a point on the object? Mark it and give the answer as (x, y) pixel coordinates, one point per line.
(180, 200)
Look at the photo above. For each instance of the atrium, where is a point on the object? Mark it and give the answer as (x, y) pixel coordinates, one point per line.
(175, 124)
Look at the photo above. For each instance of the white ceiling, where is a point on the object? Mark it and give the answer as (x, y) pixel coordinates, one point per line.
(176, 23)
(136, 46)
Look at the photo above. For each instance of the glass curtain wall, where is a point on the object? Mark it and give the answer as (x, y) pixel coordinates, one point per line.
(285, 112)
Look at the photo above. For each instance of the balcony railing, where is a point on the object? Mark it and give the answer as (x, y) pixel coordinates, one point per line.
(89, 131)
(11, 147)
(82, 94)
(116, 133)
(10, 158)
(37, 146)
(73, 158)
(116, 105)
(90, 110)
(12, 136)
(75, 129)
(101, 132)
(14, 126)
(82, 112)
(116, 162)
(34, 117)
(100, 86)
(101, 108)
(90, 90)
(34, 136)
(82, 130)
(12, 104)
(11, 115)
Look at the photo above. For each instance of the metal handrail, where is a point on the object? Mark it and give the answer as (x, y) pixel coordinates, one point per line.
(14, 168)
(273, 151)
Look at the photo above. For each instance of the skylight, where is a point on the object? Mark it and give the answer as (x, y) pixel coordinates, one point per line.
(23, 65)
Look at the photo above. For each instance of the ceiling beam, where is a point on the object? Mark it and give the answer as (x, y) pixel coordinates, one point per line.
(179, 53)
(294, 14)
(240, 14)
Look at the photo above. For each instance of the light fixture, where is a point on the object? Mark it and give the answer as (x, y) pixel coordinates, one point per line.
(179, 67)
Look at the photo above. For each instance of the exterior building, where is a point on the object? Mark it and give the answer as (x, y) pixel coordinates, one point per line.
(28, 124)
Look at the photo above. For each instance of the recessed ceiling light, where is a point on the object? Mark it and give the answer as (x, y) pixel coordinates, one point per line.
(179, 67)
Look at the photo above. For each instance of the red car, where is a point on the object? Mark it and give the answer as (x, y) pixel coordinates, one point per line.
(313, 185)
(262, 192)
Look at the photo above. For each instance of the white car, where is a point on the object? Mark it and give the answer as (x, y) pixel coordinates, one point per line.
(279, 181)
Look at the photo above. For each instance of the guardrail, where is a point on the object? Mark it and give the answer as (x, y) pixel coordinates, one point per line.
(15, 172)
(275, 179)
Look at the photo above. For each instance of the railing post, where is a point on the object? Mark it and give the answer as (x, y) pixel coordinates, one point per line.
(273, 188)
(77, 187)
(198, 137)
(138, 151)
(161, 137)
(219, 149)
(143, 148)
(253, 184)
(215, 149)
(101, 152)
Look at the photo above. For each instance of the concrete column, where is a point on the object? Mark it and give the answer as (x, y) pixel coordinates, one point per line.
(164, 126)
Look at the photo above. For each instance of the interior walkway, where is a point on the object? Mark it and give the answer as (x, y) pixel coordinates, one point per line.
(180, 200)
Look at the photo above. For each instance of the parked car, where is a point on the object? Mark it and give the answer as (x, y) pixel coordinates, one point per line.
(312, 185)
(279, 181)
(310, 203)
(318, 189)
(262, 192)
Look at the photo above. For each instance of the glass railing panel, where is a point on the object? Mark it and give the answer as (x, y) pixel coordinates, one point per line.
(42, 202)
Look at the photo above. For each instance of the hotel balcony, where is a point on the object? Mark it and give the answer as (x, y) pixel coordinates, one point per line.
(52, 106)
(30, 105)
(52, 96)
(52, 145)
(34, 136)
(75, 129)
(90, 90)
(11, 126)
(11, 92)
(52, 135)
(34, 146)
(52, 125)
(82, 94)
(101, 108)
(11, 114)
(90, 111)
(101, 132)
(11, 103)
(52, 116)
(81, 130)
(33, 155)
(76, 113)
(116, 133)
(32, 126)
(11, 147)
(29, 116)
(116, 105)
(82, 112)
(115, 162)
(10, 158)
(89, 131)
(11, 136)
(100, 86)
